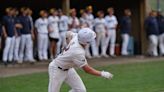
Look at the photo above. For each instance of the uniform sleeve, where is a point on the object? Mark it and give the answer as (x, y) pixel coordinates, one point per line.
(3, 21)
(80, 60)
(36, 23)
(116, 22)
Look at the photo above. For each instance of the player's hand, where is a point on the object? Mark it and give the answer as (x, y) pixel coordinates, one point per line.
(107, 75)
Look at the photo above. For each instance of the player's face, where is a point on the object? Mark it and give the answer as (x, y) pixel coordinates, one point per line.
(55, 13)
(73, 14)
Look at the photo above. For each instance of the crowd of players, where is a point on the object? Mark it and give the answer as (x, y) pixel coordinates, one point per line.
(47, 35)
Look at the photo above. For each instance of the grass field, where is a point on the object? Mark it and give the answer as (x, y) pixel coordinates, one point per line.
(138, 77)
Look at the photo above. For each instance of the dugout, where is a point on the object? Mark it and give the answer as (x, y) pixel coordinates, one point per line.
(138, 7)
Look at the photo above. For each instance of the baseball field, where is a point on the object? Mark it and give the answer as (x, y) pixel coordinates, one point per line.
(132, 77)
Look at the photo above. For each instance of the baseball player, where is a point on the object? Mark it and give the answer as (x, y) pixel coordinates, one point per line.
(160, 19)
(26, 47)
(41, 25)
(63, 28)
(100, 29)
(61, 69)
(83, 19)
(151, 25)
(73, 21)
(90, 20)
(18, 35)
(125, 27)
(53, 31)
(8, 25)
(111, 25)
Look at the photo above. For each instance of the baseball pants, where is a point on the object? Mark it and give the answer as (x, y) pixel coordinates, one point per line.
(94, 49)
(100, 41)
(111, 38)
(16, 48)
(125, 42)
(43, 46)
(62, 41)
(9, 49)
(57, 77)
(26, 48)
(153, 44)
(161, 44)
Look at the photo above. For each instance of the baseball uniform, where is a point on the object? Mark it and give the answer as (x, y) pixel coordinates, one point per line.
(63, 28)
(152, 30)
(17, 40)
(53, 26)
(100, 30)
(42, 30)
(9, 24)
(26, 46)
(74, 24)
(90, 21)
(111, 23)
(61, 69)
(125, 27)
(160, 19)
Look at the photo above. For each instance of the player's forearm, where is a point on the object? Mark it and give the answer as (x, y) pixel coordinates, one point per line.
(91, 70)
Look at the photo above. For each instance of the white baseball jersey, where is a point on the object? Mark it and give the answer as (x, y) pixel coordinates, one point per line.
(90, 19)
(42, 25)
(83, 22)
(53, 26)
(73, 55)
(74, 22)
(63, 23)
(99, 24)
(111, 21)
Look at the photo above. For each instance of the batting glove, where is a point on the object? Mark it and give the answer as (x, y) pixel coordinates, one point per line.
(107, 75)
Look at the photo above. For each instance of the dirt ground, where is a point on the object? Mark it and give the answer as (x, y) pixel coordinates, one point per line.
(26, 68)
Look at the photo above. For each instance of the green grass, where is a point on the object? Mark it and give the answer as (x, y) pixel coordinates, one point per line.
(138, 77)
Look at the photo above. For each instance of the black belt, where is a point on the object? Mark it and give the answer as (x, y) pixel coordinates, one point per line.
(62, 69)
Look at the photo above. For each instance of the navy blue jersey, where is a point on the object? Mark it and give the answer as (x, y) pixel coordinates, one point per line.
(9, 23)
(160, 20)
(151, 26)
(125, 25)
(25, 21)
(17, 21)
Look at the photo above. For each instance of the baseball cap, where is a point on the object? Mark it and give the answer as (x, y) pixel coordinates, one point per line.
(86, 36)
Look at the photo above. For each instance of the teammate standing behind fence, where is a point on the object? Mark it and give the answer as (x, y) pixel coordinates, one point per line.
(152, 30)
(125, 28)
(26, 47)
(53, 29)
(63, 28)
(41, 25)
(73, 21)
(8, 23)
(18, 28)
(90, 20)
(111, 25)
(160, 19)
(100, 29)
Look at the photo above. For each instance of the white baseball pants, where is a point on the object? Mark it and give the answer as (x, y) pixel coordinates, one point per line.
(43, 46)
(125, 42)
(161, 43)
(94, 49)
(26, 48)
(112, 39)
(100, 41)
(153, 44)
(16, 48)
(62, 41)
(9, 49)
(57, 77)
